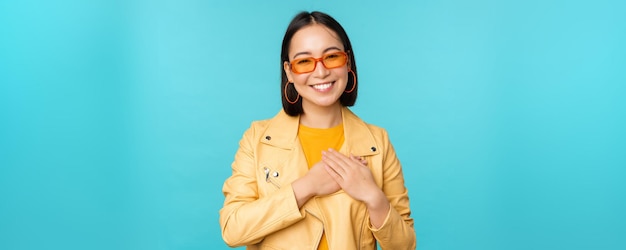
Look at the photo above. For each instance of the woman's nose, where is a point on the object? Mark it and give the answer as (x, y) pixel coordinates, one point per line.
(320, 70)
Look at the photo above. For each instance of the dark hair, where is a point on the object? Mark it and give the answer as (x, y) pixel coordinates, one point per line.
(300, 21)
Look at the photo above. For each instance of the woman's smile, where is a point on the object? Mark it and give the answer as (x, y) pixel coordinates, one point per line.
(323, 87)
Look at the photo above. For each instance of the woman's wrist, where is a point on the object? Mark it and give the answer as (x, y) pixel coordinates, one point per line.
(302, 191)
(378, 207)
(378, 201)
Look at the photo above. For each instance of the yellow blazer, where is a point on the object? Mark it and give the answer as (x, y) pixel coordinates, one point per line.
(260, 209)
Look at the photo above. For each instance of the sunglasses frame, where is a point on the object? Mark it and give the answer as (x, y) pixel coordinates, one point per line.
(321, 59)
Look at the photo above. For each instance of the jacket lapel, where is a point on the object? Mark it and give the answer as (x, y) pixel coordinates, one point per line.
(358, 138)
(282, 131)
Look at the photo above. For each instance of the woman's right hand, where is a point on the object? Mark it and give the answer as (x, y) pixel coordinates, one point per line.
(316, 182)
(321, 182)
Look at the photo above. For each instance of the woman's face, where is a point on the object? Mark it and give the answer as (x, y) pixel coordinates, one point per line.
(321, 87)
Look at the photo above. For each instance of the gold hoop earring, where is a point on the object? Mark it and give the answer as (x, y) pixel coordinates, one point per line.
(353, 81)
(287, 97)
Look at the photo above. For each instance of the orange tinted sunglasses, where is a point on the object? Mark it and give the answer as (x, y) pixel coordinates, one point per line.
(329, 60)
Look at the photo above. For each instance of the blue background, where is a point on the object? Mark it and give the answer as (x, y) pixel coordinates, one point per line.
(119, 119)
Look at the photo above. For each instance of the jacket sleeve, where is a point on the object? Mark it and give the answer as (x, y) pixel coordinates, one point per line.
(397, 230)
(245, 218)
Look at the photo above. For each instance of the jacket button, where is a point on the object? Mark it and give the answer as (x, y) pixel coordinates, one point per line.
(268, 137)
(373, 149)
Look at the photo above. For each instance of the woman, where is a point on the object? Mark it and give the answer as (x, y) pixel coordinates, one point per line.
(316, 176)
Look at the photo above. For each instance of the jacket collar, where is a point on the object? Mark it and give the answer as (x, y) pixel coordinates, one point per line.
(282, 132)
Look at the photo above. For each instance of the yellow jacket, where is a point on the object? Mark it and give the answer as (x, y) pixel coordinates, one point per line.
(260, 209)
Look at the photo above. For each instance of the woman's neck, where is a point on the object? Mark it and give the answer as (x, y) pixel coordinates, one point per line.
(321, 117)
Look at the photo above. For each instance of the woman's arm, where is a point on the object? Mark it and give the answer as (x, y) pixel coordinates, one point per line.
(397, 230)
(245, 218)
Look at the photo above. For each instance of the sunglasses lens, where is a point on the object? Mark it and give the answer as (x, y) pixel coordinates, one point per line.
(335, 60)
(303, 65)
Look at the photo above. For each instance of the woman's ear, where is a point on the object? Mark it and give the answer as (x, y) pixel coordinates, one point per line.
(288, 72)
(349, 62)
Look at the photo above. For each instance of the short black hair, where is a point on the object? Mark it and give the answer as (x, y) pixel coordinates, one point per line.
(300, 21)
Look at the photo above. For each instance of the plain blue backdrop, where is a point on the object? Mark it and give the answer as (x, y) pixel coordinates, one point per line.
(119, 119)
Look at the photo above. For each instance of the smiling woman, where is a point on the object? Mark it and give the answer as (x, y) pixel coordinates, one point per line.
(316, 176)
(119, 121)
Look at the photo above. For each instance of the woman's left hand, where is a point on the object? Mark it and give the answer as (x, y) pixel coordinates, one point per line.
(354, 177)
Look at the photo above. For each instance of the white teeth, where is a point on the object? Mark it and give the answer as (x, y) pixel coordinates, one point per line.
(322, 86)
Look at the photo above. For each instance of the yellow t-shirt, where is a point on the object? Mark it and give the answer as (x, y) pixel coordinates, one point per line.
(314, 141)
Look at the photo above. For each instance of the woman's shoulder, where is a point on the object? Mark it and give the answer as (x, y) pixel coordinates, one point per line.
(280, 117)
(258, 126)
(279, 122)
(260, 123)
(378, 132)
(373, 128)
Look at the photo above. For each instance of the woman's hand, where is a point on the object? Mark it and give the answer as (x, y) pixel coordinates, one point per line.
(356, 179)
(322, 182)
(351, 174)
(360, 159)
(316, 182)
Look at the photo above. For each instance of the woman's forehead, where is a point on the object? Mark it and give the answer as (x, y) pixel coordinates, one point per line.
(314, 39)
